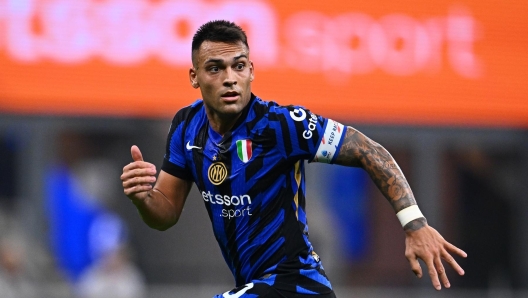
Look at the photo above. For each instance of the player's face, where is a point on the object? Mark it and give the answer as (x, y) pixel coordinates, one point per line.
(223, 72)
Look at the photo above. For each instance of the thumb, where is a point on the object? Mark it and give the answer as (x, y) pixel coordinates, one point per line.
(136, 154)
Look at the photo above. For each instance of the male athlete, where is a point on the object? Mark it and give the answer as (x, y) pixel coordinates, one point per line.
(246, 156)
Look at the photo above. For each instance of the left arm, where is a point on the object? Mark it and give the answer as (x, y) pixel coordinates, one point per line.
(422, 241)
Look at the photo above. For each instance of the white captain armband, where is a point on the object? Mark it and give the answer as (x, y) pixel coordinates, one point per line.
(329, 143)
(406, 215)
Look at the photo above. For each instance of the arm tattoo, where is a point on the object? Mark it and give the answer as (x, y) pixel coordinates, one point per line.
(415, 224)
(358, 150)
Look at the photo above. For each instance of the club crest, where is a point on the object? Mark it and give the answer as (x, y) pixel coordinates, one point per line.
(217, 173)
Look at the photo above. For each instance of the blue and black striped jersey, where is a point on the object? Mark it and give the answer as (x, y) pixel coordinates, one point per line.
(252, 183)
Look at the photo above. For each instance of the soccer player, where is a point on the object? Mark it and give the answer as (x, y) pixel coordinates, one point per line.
(246, 156)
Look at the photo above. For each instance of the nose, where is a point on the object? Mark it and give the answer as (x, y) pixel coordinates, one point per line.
(230, 78)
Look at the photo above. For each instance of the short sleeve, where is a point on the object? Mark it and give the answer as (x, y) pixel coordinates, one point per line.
(305, 135)
(174, 161)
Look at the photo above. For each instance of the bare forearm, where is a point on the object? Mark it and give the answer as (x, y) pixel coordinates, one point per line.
(157, 211)
(358, 150)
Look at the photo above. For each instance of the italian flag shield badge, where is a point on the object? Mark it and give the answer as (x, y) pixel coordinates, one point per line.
(244, 150)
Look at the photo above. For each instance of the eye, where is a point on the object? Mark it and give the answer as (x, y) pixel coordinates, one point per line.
(240, 66)
(214, 69)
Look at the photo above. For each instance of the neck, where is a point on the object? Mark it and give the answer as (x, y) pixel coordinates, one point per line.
(222, 124)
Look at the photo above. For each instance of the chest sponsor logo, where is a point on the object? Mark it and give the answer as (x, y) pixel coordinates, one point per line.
(217, 173)
(236, 205)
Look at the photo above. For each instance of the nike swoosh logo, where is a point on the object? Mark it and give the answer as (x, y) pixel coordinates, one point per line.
(191, 147)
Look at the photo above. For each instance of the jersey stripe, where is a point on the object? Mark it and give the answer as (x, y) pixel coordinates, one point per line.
(298, 184)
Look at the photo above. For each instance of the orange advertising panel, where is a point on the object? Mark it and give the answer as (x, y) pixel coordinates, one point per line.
(405, 62)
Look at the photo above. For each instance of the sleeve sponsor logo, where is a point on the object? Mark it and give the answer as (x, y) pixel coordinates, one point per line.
(312, 125)
(298, 114)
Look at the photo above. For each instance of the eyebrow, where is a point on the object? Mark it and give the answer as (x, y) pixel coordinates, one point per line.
(240, 56)
(212, 60)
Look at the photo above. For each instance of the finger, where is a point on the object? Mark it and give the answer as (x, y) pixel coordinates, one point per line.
(415, 266)
(138, 181)
(452, 262)
(450, 247)
(441, 272)
(136, 153)
(139, 165)
(137, 189)
(138, 168)
(433, 274)
(138, 172)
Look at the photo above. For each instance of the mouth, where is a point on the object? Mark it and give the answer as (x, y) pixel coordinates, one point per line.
(230, 95)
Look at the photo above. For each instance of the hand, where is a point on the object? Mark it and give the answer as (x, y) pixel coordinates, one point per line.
(427, 244)
(138, 177)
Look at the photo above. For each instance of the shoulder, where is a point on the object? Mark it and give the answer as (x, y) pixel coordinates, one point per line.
(267, 114)
(291, 117)
(187, 113)
(276, 111)
(183, 117)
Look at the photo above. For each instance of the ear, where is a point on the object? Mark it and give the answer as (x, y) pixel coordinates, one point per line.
(193, 78)
(252, 68)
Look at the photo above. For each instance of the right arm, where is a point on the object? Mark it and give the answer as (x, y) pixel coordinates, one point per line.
(160, 206)
(422, 241)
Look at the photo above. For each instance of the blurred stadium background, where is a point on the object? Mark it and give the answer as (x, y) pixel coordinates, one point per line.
(441, 84)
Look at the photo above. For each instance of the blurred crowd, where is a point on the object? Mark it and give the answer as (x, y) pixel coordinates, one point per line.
(87, 240)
